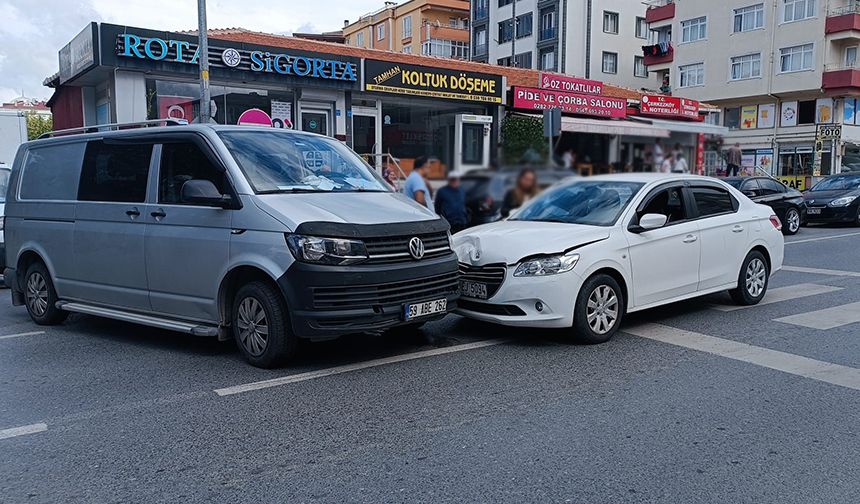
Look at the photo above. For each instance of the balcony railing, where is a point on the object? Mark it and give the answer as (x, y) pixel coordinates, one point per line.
(480, 50)
(660, 10)
(548, 34)
(842, 11)
(481, 13)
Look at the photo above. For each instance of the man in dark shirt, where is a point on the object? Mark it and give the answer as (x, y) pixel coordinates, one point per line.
(451, 203)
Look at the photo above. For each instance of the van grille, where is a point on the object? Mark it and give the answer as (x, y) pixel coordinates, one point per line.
(366, 296)
(492, 275)
(386, 250)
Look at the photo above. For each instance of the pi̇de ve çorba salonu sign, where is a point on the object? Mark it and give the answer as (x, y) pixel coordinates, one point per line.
(415, 80)
(129, 45)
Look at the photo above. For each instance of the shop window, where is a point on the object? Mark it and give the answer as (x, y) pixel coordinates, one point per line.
(115, 172)
(733, 118)
(806, 112)
(181, 162)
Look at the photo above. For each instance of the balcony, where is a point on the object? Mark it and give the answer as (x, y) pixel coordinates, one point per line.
(660, 10)
(480, 50)
(481, 13)
(843, 24)
(656, 58)
(431, 31)
(547, 34)
(839, 79)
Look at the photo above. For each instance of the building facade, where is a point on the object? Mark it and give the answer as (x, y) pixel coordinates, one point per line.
(587, 38)
(781, 71)
(428, 27)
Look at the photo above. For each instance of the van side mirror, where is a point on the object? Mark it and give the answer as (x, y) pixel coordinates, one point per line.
(649, 222)
(204, 193)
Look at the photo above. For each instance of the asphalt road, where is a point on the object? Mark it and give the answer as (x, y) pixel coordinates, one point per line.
(690, 404)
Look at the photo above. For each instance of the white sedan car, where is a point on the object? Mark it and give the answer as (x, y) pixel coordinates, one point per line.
(588, 251)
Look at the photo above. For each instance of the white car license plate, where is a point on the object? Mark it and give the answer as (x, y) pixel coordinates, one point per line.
(417, 310)
(813, 211)
(471, 289)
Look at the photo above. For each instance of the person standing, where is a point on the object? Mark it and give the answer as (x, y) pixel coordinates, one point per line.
(569, 159)
(416, 187)
(659, 155)
(451, 203)
(681, 165)
(525, 189)
(668, 164)
(733, 160)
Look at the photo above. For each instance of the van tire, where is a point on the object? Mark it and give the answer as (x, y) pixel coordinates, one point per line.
(261, 326)
(40, 297)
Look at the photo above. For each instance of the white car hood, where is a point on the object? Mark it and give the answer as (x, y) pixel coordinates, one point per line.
(346, 207)
(509, 241)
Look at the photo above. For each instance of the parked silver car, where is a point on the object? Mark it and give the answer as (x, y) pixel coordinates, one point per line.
(267, 234)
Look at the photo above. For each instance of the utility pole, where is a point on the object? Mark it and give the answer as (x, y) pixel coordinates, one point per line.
(203, 60)
(514, 34)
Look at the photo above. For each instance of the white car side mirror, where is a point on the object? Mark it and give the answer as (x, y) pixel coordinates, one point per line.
(652, 221)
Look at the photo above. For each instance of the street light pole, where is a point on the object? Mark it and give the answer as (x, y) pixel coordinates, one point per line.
(514, 34)
(203, 60)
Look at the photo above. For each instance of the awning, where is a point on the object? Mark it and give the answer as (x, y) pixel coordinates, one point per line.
(684, 126)
(612, 127)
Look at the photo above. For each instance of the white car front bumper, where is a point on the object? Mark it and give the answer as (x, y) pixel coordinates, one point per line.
(554, 294)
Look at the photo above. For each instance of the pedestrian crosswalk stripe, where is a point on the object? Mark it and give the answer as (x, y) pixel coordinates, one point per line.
(828, 318)
(784, 294)
(828, 372)
(821, 271)
(23, 430)
(820, 238)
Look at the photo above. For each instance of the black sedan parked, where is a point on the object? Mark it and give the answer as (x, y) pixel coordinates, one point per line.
(835, 199)
(485, 190)
(786, 202)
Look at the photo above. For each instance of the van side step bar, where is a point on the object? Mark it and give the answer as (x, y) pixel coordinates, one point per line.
(147, 320)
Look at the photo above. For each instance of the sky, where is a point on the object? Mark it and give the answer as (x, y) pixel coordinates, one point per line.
(32, 31)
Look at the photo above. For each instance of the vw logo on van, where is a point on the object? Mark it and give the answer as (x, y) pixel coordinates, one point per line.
(416, 248)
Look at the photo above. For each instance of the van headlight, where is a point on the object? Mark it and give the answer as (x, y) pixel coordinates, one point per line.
(841, 202)
(333, 251)
(543, 266)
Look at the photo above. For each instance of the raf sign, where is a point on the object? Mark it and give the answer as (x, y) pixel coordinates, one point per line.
(129, 45)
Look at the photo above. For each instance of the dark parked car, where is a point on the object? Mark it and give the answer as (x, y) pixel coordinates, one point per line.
(835, 199)
(786, 202)
(486, 189)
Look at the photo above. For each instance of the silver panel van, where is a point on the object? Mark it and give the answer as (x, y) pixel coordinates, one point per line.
(258, 234)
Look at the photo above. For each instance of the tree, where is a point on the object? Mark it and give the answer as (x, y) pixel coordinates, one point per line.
(521, 135)
(38, 125)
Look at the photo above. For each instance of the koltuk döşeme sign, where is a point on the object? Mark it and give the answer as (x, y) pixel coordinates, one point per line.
(416, 80)
(590, 105)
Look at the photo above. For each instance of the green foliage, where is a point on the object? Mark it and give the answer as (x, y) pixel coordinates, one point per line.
(38, 125)
(522, 135)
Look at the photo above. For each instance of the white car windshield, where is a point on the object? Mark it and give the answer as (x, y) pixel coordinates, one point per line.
(276, 161)
(4, 184)
(593, 203)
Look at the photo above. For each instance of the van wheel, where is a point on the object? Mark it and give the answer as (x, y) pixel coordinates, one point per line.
(40, 296)
(599, 310)
(261, 326)
(752, 280)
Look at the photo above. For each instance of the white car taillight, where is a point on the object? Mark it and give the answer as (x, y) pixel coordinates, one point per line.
(776, 222)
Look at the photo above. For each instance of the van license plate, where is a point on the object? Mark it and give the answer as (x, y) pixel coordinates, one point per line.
(418, 310)
(471, 289)
(813, 211)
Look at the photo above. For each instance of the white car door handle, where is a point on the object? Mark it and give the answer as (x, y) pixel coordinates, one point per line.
(737, 229)
(690, 238)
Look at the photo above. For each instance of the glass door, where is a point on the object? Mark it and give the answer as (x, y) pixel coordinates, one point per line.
(316, 121)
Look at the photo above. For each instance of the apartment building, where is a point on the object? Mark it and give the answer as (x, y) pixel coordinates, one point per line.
(780, 70)
(594, 39)
(427, 27)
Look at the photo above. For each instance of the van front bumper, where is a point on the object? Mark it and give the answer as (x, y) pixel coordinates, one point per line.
(330, 301)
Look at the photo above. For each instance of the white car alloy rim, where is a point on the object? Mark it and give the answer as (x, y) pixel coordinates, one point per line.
(793, 219)
(602, 309)
(253, 326)
(756, 273)
(37, 294)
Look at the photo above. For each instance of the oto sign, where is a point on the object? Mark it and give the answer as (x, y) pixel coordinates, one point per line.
(570, 84)
(545, 99)
(669, 106)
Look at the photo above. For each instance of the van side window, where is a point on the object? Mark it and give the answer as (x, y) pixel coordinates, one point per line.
(115, 172)
(668, 202)
(52, 172)
(181, 162)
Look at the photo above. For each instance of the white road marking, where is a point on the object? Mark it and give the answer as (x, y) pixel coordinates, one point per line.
(23, 431)
(827, 318)
(832, 237)
(285, 380)
(828, 372)
(784, 294)
(820, 271)
(21, 335)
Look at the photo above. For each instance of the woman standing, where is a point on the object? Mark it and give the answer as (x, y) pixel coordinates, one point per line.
(525, 190)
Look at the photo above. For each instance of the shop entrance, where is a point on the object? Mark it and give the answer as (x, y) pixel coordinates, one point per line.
(472, 141)
(366, 134)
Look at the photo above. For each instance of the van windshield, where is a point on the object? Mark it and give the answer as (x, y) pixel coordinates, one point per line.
(277, 161)
(4, 183)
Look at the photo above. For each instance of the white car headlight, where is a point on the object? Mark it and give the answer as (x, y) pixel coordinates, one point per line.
(543, 266)
(334, 251)
(840, 202)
